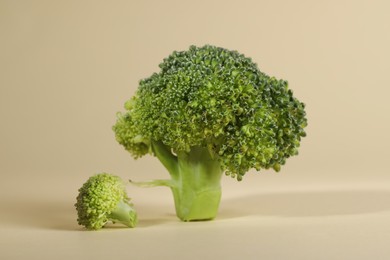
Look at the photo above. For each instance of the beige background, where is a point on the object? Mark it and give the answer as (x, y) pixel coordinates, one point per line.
(68, 66)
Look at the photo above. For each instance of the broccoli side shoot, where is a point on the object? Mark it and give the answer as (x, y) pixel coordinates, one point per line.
(210, 110)
(101, 199)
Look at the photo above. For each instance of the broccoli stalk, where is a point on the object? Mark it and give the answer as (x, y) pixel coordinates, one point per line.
(208, 111)
(123, 213)
(195, 181)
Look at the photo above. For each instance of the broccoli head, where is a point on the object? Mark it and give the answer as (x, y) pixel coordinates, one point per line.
(103, 198)
(211, 110)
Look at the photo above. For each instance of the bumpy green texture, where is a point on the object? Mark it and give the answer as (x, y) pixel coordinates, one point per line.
(216, 100)
(101, 199)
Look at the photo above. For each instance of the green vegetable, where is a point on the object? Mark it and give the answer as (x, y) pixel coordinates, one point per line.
(103, 198)
(208, 111)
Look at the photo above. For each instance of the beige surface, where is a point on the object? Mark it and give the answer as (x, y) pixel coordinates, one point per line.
(68, 66)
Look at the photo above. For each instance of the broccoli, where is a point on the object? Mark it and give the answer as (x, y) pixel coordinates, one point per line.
(208, 111)
(101, 199)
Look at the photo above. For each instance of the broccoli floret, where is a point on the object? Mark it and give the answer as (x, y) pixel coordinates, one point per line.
(210, 110)
(103, 198)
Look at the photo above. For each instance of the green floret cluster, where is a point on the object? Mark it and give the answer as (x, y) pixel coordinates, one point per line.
(101, 199)
(216, 99)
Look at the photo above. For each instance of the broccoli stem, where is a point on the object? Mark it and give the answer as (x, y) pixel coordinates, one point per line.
(195, 181)
(125, 214)
(198, 190)
(164, 154)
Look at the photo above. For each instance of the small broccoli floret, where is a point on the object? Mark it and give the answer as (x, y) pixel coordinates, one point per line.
(210, 110)
(103, 198)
